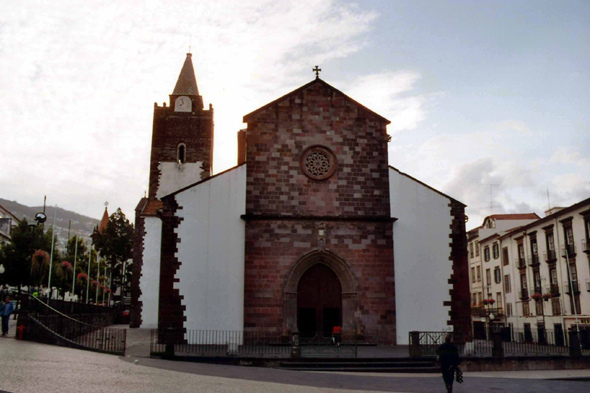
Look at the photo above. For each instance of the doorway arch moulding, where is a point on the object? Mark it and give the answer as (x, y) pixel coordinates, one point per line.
(348, 282)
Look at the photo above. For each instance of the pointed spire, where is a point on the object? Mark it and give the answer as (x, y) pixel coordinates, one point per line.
(105, 220)
(187, 83)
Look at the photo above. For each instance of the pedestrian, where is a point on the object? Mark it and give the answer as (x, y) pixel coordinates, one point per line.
(3, 293)
(6, 308)
(448, 355)
(337, 335)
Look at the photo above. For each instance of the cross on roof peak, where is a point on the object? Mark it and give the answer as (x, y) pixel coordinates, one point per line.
(317, 72)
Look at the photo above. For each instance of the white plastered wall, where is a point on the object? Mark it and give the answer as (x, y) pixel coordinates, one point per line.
(211, 252)
(174, 176)
(150, 273)
(421, 255)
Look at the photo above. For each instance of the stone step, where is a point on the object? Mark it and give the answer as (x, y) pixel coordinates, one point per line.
(364, 365)
(404, 370)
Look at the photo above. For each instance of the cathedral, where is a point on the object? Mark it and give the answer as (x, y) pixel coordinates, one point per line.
(311, 229)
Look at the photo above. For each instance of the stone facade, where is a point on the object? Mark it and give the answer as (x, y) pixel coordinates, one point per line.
(343, 220)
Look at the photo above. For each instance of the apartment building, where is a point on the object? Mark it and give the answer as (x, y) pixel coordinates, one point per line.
(547, 272)
(486, 274)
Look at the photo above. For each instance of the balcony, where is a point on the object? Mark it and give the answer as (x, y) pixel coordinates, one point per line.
(550, 256)
(569, 251)
(523, 294)
(574, 285)
(534, 260)
(485, 312)
(554, 289)
(586, 246)
(520, 263)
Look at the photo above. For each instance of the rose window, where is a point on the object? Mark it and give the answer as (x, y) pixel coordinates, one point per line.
(318, 163)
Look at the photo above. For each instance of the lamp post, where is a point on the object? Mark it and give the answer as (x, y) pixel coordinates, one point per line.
(2, 270)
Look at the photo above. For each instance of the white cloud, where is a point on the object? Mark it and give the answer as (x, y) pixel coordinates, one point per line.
(383, 93)
(79, 80)
(569, 155)
(513, 125)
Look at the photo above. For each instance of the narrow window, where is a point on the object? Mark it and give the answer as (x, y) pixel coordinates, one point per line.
(181, 153)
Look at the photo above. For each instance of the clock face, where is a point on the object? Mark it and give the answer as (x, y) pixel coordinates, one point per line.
(183, 104)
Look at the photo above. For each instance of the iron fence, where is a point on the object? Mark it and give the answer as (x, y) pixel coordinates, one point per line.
(512, 342)
(218, 343)
(72, 332)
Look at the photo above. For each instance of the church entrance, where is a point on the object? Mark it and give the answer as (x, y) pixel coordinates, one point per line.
(319, 301)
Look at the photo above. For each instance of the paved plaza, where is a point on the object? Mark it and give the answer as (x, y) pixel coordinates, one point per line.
(38, 368)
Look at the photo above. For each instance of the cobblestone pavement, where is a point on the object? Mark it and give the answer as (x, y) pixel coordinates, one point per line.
(38, 368)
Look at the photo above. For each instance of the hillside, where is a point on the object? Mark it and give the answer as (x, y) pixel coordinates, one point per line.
(81, 225)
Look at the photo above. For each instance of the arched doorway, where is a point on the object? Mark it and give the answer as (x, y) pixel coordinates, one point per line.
(319, 301)
(347, 281)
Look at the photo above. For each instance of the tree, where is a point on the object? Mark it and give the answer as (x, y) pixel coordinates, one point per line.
(115, 245)
(17, 255)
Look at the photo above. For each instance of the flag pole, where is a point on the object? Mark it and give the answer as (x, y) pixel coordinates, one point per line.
(88, 278)
(74, 273)
(52, 247)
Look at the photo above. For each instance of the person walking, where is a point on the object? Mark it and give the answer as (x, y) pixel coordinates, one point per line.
(448, 355)
(6, 309)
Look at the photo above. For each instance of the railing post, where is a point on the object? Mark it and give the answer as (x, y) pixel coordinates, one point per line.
(415, 349)
(498, 348)
(295, 347)
(169, 342)
(575, 349)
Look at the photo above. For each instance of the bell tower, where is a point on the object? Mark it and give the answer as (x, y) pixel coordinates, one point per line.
(182, 138)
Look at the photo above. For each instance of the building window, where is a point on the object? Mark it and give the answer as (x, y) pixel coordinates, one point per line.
(508, 309)
(525, 309)
(472, 274)
(496, 250)
(497, 275)
(478, 274)
(499, 299)
(486, 253)
(318, 163)
(507, 287)
(555, 306)
(470, 250)
(539, 308)
(476, 248)
(537, 281)
(569, 235)
(488, 277)
(550, 241)
(479, 298)
(181, 153)
(505, 259)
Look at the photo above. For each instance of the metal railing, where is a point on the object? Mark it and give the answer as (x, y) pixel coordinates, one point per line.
(218, 343)
(533, 260)
(569, 286)
(550, 255)
(510, 342)
(568, 250)
(68, 331)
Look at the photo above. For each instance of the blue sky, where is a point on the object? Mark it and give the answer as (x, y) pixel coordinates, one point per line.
(482, 95)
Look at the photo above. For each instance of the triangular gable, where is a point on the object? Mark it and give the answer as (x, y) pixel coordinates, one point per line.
(251, 114)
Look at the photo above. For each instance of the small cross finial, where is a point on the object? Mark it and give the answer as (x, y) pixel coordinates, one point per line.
(317, 72)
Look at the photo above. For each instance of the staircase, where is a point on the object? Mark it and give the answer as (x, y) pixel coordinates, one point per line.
(385, 365)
